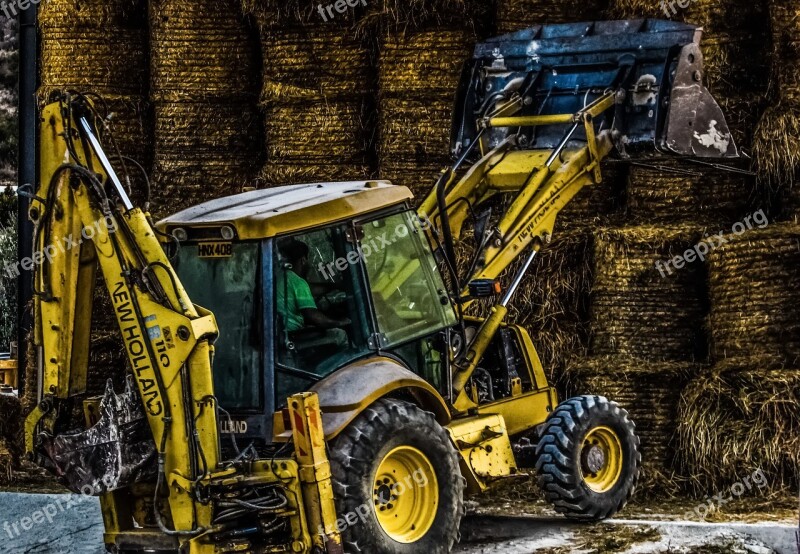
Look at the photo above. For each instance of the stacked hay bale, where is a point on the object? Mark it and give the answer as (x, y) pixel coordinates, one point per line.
(735, 35)
(673, 197)
(316, 94)
(778, 133)
(78, 54)
(204, 68)
(650, 392)
(647, 335)
(418, 74)
(643, 306)
(754, 290)
(553, 300)
(744, 415)
(514, 15)
(10, 436)
(738, 419)
(597, 205)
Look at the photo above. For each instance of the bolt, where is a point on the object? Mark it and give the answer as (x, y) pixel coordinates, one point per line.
(183, 333)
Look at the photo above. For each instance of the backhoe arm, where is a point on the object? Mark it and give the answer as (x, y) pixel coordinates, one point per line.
(85, 220)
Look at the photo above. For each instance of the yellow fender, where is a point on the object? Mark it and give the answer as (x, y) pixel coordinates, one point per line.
(348, 392)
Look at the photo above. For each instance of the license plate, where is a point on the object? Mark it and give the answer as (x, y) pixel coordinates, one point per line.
(215, 249)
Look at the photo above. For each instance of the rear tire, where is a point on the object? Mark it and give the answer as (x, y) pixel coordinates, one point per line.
(588, 458)
(397, 482)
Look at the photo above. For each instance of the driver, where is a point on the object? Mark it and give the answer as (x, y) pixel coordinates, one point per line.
(296, 304)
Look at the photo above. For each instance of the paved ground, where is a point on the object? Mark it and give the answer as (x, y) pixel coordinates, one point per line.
(525, 535)
(69, 524)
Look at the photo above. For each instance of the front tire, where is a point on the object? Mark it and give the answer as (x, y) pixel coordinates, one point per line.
(588, 458)
(397, 482)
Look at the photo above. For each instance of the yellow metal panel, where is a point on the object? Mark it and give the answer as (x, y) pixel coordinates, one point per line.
(8, 373)
(531, 120)
(315, 471)
(513, 172)
(485, 448)
(532, 360)
(522, 413)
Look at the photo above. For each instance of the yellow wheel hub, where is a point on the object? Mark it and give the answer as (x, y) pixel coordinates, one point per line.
(406, 494)
(601, 459)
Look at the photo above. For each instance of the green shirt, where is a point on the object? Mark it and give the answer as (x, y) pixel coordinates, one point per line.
(293, 295)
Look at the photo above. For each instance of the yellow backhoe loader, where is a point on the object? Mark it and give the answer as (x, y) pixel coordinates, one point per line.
(330, 395)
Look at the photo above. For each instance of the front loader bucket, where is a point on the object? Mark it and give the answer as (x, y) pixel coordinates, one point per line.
(655, 68)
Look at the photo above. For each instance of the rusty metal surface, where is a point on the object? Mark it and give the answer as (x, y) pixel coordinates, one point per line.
(114, 453)
(695, 124)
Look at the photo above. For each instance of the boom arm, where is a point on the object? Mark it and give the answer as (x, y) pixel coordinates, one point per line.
(544, 181)
(168, 340)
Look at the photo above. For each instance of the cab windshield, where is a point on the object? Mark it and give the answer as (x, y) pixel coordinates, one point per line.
(228, 284)
(407, 290)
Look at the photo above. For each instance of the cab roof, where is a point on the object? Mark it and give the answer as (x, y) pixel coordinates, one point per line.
(274, 211)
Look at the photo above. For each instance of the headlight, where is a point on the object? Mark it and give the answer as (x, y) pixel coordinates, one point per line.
(227, 232)
(180, 234)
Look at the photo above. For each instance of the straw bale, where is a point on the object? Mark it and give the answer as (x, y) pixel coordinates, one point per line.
(742, 417)
(205, 149)
(414, 141)
(596, 205)
(95, 14)
(514, 15)
(202, 48)
(637, 312)
(331, 133)
(276, 173)
(6, 464)
(313, 62)
(715, 16)
(291, 13)
(425, 63)
(650, 391)
(552, 301)
(775, 143)
(778, 132)
(393, 16)
(754, 290)
(706, 198)
(91, 61)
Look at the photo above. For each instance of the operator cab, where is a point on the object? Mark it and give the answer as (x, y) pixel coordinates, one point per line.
(299, 293)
